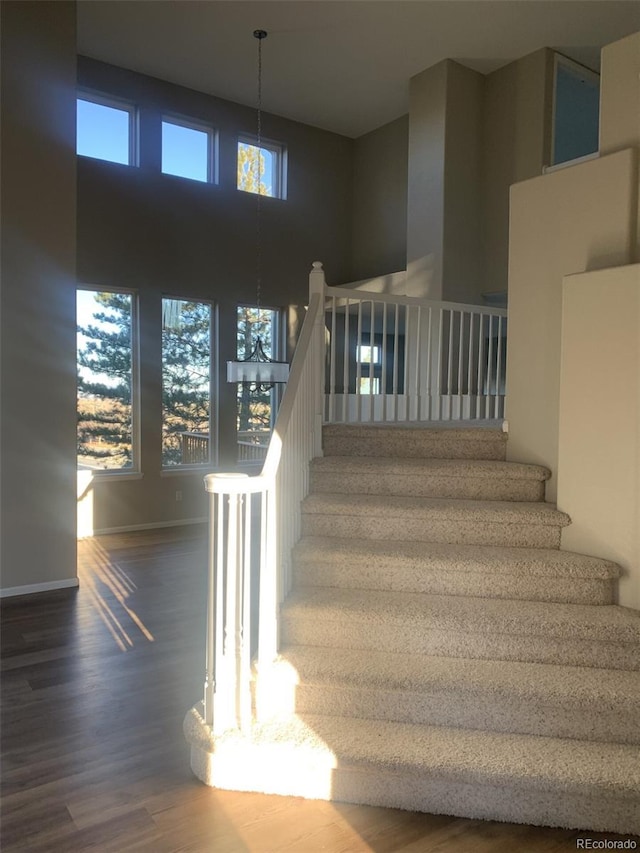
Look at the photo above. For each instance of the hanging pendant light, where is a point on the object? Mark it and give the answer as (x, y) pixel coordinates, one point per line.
(257, 369)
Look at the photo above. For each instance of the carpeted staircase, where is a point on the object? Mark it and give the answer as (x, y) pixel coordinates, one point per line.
(438, 652)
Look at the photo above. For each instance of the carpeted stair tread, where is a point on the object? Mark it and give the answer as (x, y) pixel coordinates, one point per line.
(484, 468)
(474, 511)
(604, 624)
(510, 760)
(571, 685)
(444, 557)
(414, 441)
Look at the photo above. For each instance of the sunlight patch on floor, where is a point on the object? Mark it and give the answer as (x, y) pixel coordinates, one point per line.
(108, 587)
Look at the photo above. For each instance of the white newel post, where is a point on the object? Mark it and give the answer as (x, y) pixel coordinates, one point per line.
(227, 588)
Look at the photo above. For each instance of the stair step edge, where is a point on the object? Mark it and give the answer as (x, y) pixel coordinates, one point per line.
(387, 671)
(475, 756)
(393, 506)
(419, 467)
(597, 623)
(538, 562)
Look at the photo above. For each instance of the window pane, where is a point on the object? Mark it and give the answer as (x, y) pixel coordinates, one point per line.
(256, 406)
(186, 382)
(103, 132)
(369, 385)
(105, 380)
(367, 354)
(252, 160)
(577, 109)
(185, 151)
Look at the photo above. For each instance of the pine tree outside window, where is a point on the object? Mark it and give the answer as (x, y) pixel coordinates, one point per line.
(187, 376)
(107, 381)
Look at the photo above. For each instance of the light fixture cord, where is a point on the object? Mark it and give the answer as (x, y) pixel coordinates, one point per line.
(259, 34)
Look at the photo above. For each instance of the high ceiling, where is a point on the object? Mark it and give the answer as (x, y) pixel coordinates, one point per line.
(342, 65)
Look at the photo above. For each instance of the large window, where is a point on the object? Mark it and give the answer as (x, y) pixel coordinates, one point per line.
(188, 150)
(106, 380)
(187, 347)
(261, 169)
(106, 129)
(257, 406)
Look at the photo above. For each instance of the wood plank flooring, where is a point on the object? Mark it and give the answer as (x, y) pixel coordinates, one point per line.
(95, 685)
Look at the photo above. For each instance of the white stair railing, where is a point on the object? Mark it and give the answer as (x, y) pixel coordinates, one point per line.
(386, 358)
(253, 524)
(401, 358)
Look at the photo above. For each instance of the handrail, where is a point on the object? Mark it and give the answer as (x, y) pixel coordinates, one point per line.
(283, 418)
(390, 299)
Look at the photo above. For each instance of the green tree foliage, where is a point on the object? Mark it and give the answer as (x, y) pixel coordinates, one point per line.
(251, 169)
(105, 384)
(186, 359)
(105, 380)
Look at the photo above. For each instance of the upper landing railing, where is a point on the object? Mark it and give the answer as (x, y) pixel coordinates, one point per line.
(361, 357)
(400, 358)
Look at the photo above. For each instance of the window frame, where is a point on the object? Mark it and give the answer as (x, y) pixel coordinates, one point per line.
(134, 472)
(213, 145)
(280, 151)
(212, 462)
(114, 102)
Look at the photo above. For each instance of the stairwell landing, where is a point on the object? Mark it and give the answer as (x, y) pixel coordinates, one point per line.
(438, 652)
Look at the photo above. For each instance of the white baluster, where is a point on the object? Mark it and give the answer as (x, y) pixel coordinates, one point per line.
(345, 365)
(332, 374)
(371, 350)
(358, 364)
(489, 360)
(440, 351)
(470, 361)
(460, 354)
(245, 633)
(480, 348)
(383, 362)
(496, 412)
(396, 339)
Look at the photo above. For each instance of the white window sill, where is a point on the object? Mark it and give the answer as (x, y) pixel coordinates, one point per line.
(103, 476)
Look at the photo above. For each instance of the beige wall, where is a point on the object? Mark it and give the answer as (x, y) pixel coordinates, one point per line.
(578, 219)
(444, 254)
(516, 146)
(470, 138)
(38, 294)
(462, 239)
(425, 195)
(599, 420)
(380, 200)
(620, 95)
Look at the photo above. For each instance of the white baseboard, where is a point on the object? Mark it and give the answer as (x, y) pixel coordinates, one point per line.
(31, 588)
(153, 525)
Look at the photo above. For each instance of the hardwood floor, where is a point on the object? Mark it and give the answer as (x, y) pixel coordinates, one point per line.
(95, 685)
